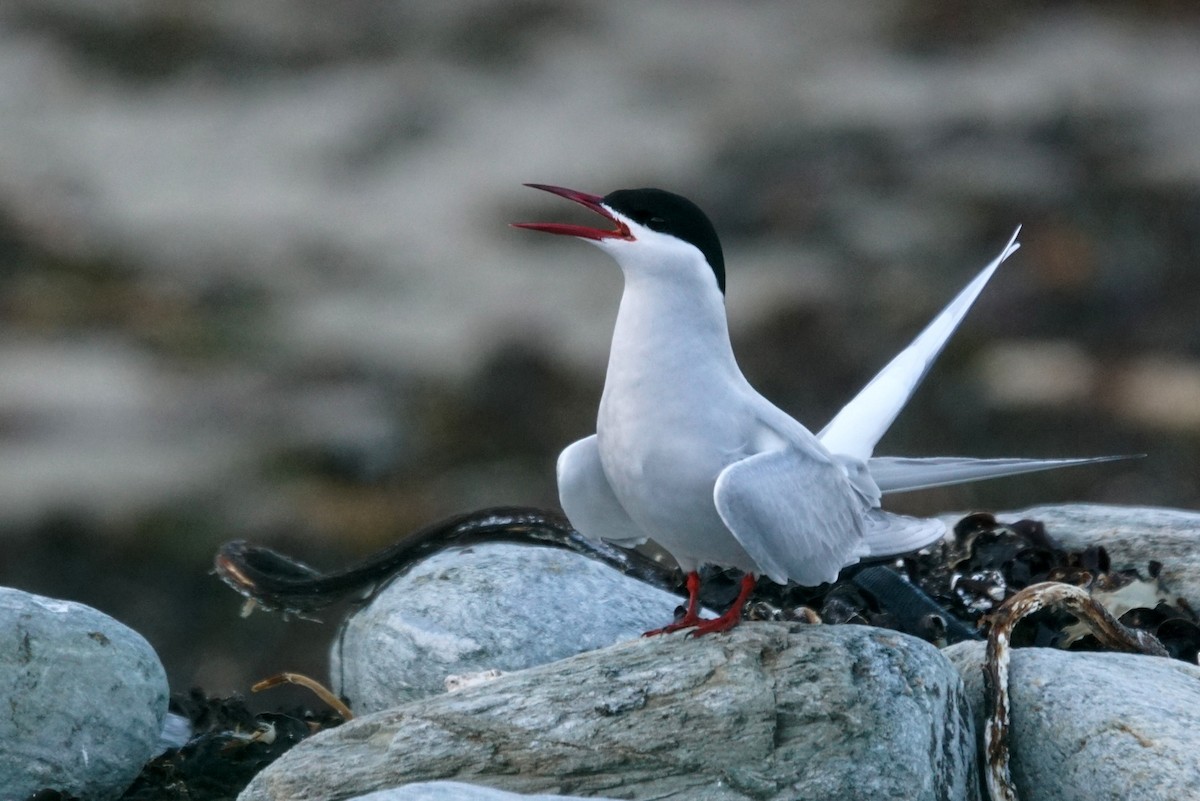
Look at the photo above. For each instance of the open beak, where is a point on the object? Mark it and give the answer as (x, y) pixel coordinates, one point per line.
(592, 202)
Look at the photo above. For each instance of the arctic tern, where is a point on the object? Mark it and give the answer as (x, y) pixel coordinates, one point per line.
(688, 454)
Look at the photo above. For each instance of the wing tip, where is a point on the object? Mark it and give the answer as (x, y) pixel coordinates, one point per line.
(1011, 247)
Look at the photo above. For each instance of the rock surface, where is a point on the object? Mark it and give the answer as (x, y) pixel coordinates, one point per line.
(83, 699)
(458, 791)
(1127, 531)
(1096, 726)
(767, 712)
(1132, 535)
(495, 607)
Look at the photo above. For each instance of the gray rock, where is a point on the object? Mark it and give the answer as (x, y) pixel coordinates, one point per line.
(495, 607)
(458, 791)
(1096, 726)
(766, 712)
(83, 699)
(1132, 535)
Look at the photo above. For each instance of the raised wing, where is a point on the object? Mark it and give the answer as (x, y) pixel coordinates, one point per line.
(864, 420)
(795, 515)
(899, 474)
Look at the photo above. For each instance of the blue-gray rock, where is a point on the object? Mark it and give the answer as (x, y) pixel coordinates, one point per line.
(1096, 726)
(492, 607)
(768, 711)
(1132, 536)
(83, 699)
(459, 791)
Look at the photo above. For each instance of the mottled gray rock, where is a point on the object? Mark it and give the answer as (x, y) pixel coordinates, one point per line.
(458, 791)
(492, 607)
(1132, 535)
(1096, 726)
(83, 699)
(766, 712)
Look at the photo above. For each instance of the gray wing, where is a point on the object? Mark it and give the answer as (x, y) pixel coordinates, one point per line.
(796, 516)
(588, 499)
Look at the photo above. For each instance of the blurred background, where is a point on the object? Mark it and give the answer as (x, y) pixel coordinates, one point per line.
(256, 279)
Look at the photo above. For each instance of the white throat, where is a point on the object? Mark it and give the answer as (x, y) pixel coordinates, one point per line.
(670, 328)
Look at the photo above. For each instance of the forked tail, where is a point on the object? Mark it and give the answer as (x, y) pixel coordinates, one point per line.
(900, 474)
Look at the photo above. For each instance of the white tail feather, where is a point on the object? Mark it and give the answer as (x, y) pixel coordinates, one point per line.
(888, 534)
(899, 474)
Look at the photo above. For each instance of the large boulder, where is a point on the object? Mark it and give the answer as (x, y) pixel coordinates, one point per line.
(766, 712)
(1095, 726)
(491, 607)
(83, 699)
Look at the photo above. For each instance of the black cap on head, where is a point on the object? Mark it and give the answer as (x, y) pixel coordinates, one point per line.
(669, 213)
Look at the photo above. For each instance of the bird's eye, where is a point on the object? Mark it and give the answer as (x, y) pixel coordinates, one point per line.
(649, 219)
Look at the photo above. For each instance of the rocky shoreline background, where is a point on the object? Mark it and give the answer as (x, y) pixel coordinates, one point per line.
(258, 281)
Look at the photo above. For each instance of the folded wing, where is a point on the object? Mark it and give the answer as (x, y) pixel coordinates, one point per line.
(588, 499)
(794, 514)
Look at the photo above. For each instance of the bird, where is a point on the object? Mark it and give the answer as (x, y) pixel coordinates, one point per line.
(688, 454)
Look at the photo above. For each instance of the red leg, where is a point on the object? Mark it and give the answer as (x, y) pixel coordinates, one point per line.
(732, 616)
(692, 616)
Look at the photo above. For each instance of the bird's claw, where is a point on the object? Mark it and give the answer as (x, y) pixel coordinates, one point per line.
(686, 622)
(716, 625)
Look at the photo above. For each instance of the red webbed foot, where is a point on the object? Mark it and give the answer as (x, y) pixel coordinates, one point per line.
(701, 626)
